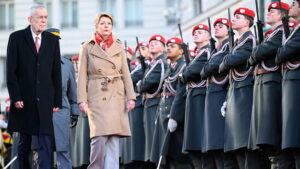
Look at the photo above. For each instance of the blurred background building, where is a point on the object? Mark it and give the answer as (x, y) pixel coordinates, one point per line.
(142, 18)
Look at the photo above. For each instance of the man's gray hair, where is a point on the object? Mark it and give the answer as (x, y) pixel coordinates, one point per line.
(34, 7)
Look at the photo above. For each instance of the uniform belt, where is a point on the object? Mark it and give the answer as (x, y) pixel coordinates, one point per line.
(159, 95)
(264, 71)
(168, 94)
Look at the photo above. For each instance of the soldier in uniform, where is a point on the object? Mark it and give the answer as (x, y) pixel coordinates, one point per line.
(239, 96)
(213, 124)
(292, 25)
(265, 131)
(135, 145)
(175, 158)
(61, 119)
(195, 95)
(151, 87)
(289, 56)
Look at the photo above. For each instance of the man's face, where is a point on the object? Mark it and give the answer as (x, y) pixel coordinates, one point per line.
(174, 50)
(39, 20)
(200, 36)
(273, 16)
(221, 30)
(144, 51)
(239, 21)
(294, 12)
(156, 47)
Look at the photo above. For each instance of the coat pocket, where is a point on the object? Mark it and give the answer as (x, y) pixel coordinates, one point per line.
(245, 83)
(292, 74)
(271, 78)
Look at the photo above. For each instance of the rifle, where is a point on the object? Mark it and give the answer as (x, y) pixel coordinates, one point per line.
(230, 33)
(285, 22)
(165, 148)
(259, 25)
(126, 49)
(211, 40)
(141, 57)
(184, 47)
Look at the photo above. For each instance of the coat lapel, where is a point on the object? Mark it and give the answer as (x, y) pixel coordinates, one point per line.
(44, 42)
(114, 49)
(100, 53)
(29, 39)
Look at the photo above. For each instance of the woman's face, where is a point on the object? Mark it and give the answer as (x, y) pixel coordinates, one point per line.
(104, 26)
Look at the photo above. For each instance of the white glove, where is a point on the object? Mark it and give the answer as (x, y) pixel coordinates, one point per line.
(223, 109)
(172, 125)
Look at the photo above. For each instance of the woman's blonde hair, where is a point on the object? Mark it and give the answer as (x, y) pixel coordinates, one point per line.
(103, 14)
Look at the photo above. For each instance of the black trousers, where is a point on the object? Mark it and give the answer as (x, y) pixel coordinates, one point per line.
(196, 157)
(213, 159)
(43, 147)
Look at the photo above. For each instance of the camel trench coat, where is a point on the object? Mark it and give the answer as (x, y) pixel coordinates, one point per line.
(105, 84)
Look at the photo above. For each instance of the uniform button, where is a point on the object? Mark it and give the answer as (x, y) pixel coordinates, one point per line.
(37, 82)
(38, 99)
(104, 98)
(38, 64)
(114, 67)
(99, 70)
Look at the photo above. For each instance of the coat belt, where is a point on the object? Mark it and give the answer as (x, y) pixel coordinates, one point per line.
(264, 71)
(107, 79)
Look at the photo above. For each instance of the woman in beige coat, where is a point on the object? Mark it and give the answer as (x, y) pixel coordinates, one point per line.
(105, 93)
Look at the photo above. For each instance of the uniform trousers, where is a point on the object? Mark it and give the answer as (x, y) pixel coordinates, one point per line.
(63, 160)
(104, 152)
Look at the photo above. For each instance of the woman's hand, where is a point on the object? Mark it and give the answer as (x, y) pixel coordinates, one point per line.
(83, 107)
(130, 105)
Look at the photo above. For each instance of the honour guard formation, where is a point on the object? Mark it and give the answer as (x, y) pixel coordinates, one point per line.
(230, 103)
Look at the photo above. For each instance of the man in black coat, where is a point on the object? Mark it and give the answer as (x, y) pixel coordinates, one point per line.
(289, 56)
(34, 85)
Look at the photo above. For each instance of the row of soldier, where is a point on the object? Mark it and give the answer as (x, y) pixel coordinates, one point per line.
(234, 106)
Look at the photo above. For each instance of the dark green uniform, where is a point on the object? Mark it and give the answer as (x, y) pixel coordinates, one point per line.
(289, 55)
(195, 103)
(151, 87)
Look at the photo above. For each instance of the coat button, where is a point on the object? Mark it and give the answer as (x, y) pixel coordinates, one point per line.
(38, 64)
(99, 70)
(114, 67)
(37, 82)
(104, 98)
(38, 99)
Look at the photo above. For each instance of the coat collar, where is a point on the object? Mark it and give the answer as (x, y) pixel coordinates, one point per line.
(30, 41)
(97, 51)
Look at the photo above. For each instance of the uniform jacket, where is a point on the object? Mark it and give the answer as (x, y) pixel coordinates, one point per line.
(61, 119)
(35, 79)
(104, 83)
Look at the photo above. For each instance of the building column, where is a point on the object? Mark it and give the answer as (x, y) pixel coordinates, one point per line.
(56, 17)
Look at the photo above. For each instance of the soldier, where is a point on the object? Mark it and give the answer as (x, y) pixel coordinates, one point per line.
(265, 131)
(151, 87)
(175, 159)
(239, 96)
(195, 96)
(135, 145)
(69, 112)
(288, 56)
(213, 133)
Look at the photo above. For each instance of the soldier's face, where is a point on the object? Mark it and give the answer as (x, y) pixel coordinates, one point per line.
(273, 16)
(221, 30)
(39, 20)
(239, 21)
(294, 12)
(156, 46)
(174, 50)
(104, 26)
(144, 50)
(200, 36)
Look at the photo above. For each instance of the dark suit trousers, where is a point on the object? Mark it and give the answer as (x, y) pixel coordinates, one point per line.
(42, 144)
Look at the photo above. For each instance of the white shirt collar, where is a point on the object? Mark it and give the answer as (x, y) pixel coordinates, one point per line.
(34, 35)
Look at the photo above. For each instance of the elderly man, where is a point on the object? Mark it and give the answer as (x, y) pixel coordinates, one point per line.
(34, 86)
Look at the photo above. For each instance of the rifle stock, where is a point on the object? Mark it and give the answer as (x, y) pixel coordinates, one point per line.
(184, 47)
(211, 40)
(141, 57)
